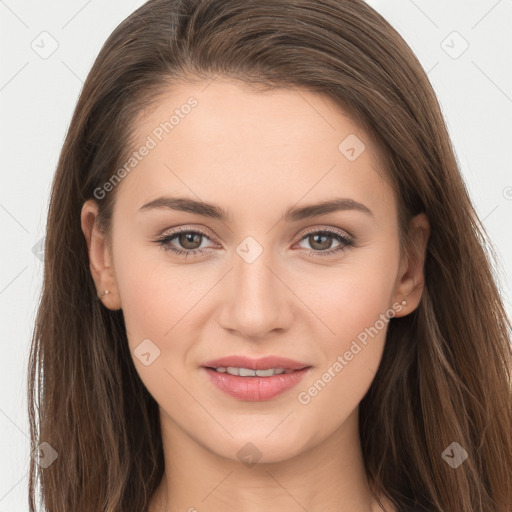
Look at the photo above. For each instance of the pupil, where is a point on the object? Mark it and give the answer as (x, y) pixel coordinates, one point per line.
(323, 245)
(189, 239)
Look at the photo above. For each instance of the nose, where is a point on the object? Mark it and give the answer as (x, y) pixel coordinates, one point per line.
(256, 299)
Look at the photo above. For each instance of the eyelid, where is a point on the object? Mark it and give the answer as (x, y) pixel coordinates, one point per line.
(189, 228)
(342, 232)
(208, 234)
(345, 239)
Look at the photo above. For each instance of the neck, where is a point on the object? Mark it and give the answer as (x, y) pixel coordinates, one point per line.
(324, 477)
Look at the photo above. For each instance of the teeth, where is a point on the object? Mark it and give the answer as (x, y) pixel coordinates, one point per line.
(247, 372)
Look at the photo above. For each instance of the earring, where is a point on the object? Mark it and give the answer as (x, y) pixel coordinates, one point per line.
(106, 292)
(404, 303)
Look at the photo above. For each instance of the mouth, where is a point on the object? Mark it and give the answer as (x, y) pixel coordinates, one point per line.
(255, 380)
(249, 372)
(263, 363)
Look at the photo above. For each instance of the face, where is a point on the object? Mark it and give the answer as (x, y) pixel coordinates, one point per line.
(261, 272)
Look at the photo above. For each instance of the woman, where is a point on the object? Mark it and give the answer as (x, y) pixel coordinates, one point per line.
(266, 287)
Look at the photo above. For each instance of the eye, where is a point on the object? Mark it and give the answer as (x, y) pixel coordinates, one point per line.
(322, 240)
(187, 238)
(191, 241)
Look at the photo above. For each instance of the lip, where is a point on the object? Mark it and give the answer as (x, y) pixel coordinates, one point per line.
(255, 389)
(264, 363)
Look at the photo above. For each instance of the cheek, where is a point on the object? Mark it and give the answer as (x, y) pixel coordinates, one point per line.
(161, 302)
(149, 293)
(355, 306)
(154, 305)
(351, 297)
(348, 368)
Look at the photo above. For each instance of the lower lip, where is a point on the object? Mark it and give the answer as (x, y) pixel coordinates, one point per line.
(255, 389)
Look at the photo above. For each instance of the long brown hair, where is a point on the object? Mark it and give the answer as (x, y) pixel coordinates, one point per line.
(445, 375)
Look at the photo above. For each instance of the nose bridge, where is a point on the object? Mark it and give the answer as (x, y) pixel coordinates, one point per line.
(257, 302)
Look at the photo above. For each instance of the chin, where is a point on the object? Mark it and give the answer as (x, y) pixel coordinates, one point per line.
(261, 448)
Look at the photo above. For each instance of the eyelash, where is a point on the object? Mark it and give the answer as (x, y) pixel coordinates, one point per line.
(164, 242)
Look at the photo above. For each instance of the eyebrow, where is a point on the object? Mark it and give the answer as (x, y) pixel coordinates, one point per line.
(214, 211)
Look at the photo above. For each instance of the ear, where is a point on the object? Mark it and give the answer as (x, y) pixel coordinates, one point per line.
(411, 280)
(100, 257)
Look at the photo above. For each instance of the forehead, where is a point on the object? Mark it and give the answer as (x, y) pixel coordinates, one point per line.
(244, 144)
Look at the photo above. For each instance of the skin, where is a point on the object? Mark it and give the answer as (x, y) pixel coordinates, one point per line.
(256, 154)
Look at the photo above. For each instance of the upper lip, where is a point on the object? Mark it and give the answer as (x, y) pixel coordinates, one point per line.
(264, 363)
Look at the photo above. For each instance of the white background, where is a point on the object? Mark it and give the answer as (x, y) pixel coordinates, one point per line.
(37, 98)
